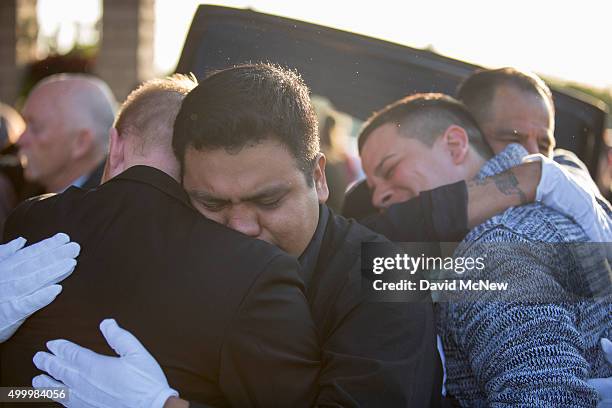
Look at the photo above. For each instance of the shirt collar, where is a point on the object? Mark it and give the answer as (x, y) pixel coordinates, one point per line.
(510, 157)
(308, 259)
(80, 181)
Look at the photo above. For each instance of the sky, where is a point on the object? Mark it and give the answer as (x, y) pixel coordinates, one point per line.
(569, 40)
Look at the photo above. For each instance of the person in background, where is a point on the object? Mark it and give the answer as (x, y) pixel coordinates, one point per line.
(11, 126)
(342, 167)
(11, 175)
(67, 117)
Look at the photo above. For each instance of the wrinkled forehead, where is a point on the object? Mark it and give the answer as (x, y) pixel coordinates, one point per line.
(515, 107)
(509, 98)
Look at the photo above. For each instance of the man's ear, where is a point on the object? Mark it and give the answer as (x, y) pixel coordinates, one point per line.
(320, 181)
(115, 163)
(457, 143)
(82, 144)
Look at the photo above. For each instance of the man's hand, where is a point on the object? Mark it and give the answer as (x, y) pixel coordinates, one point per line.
(28, 277)
(560, 190)
(604, 385)
(134, 379)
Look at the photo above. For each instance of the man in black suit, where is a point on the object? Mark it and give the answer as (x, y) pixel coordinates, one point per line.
(224, 314)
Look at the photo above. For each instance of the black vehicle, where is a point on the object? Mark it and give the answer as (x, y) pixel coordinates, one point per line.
(359, 74)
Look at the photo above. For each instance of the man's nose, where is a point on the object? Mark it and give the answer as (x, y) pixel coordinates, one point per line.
(244, 221)
(382, 198)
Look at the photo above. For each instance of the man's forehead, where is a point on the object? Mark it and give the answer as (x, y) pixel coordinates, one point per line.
(242, 193)
(511, 103)
(44, 101)
(250, 171)
(505, 95)
(383, 140)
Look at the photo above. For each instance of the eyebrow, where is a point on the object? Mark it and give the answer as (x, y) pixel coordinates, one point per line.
(263, 193)
(378, 168)
(508, 131)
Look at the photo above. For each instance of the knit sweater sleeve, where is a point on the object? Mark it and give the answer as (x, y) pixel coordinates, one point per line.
(514, 347)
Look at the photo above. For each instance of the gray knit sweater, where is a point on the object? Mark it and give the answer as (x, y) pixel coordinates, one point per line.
(536, 343)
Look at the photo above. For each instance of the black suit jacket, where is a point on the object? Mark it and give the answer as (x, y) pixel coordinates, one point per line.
(438, 215)
(224, 315)
(374, 354)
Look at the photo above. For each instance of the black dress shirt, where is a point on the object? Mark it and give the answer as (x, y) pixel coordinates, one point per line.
(373, 353)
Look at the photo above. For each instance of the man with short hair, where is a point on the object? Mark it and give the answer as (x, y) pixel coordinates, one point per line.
(248, 145)
(67, 117)
(225, 315)
(534, 345)
(511, 106)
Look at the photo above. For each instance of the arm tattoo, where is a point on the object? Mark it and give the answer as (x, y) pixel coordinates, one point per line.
(506, 183)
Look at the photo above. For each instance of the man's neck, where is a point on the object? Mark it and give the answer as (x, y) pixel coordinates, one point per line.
(473, 164)
(159, 160)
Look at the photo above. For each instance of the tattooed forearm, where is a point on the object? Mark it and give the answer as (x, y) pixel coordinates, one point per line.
(506, 183)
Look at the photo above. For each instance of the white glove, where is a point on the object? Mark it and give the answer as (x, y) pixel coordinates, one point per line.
(134, 379)
(604, 385)
(560, 190)
(28, 277)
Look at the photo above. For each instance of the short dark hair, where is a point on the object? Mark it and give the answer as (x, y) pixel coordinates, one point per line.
(245, 105)
(477, 90)
(428, 115)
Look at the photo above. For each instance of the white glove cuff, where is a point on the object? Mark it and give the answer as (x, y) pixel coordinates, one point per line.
(163, 396)
(546, 183)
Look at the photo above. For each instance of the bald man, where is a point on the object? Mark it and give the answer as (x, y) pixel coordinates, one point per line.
(68, 117)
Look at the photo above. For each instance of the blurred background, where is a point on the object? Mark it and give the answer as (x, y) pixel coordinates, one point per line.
(566, 43)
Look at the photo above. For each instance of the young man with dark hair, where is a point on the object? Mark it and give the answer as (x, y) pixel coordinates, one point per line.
(429, 115)
(248, 145)
(534, 344)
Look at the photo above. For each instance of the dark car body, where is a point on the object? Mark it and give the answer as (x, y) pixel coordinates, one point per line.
(359, 74)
